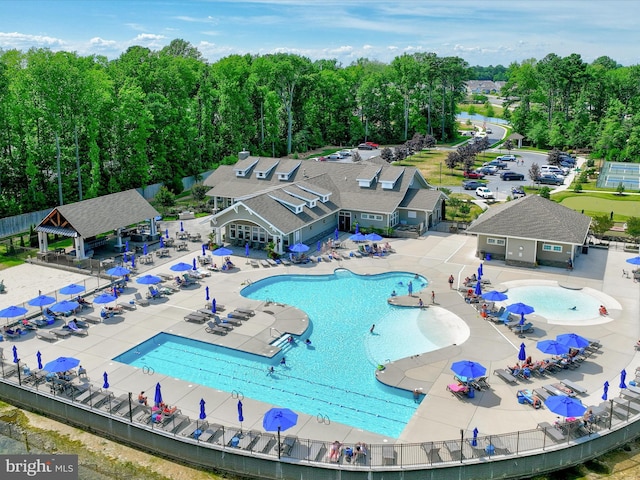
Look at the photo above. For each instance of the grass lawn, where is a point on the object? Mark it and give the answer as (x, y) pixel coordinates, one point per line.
(622, 206)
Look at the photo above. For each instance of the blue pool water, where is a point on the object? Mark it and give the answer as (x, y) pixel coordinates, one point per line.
(556, 303)
(335, 377)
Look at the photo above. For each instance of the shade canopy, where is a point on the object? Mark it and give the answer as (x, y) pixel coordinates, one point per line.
(148, 280)
(279, 419)
(72, 289)
(298, 248)
(118, 271)
(373, 237)
(64, 306)
(61, 364)
(565, 406)
(357, 237)
(468, 369)
(180, 267)
(633, 260)
(552, 347)
(104, 298)
(12, 311)
(573, 340)
(222, 252)
(520, 308)
(494, 296)
(41, 301)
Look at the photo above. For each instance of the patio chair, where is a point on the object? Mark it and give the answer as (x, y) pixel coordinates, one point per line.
(505, 375)
(237, 315)
(139, 300)
(153, 293)
(195, 318)
(91, 319)
(245, 311)
(287, 445)
(460, 391)
(73, 328)
(60, 332)
(216, 327)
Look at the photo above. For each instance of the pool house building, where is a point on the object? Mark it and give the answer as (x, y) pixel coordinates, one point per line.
(286, 201)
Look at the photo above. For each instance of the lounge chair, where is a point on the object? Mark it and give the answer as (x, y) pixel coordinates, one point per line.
(542, 394)
(195, 318)
(237, 315)
(630, 406)
(272, 262)
(574, 386)
(552, 431)
(153, 293)
(454, 448)
(127, 305)
(233, 321)
(286, 447)
(46, 336)
(505, 375)
(480, 383)
(245, 311)
(254, 263)
(264, 263)
(559, 389)
(266, 443)
(433, 452)
(388, 455)
(526, 328)
(529, 397)
(9, 333)
(496, 314)
(248, 440)
(113, 405)
(60, 332)
(285, 262)
(139, 300)
(218, 306)
(317, 451)
(213, 328)
(206, 312)
(73, 328)
(189, 280)
(460, 391)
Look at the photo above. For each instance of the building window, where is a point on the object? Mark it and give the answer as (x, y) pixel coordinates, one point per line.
(548, 247)
(495, 241)
(395, 218)
(412, 214)
(369, 216)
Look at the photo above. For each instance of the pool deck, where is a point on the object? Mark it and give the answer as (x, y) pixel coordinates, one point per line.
(440, 415)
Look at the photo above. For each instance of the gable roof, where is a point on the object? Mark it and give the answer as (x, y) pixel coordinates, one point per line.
(533, 217)
(91, 217)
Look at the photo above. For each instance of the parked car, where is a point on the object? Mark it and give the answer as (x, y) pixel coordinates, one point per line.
(345, 153)
(365, 146)
(374, 145)
(488, 170)
(335, 156)
(550, 179)
(321, 159)
(473, 174)
(552, 169)
(488, 130)
(517, 192)
(508, 175)
(567, 164)
(472, 184)
(497, 163)
(484, 192)
(507, 158)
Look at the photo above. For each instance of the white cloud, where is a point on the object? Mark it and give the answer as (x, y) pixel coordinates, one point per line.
(102, 43)
(9, 40)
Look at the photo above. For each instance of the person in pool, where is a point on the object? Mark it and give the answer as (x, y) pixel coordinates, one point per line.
(393, 294)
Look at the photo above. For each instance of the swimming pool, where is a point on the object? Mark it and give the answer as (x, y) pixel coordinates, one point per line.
(335, 376)
(556, 303)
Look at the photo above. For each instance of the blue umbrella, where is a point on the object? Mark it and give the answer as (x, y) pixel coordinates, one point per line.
(336, 234)
(552, 347)
(12, 311)
(144, 249)
(206, 292)
(633, 260)
(194, 267)
(39, 358)
(573, 340)
(468, 369)
(522, 354)
(203, 414)
(61, 364)
(357, 229)
(161, 242)
(357, 237)
(222, 252)
(319, 246)
(246, 249)
(279, 419)
(373, 237)
(41, 301)
(72, 289)
(565, 406)
(623, 376)
(125, 257)
(15, 354)
(240, 415)
(181, 227)
(478, 288)
(133, 261)
(204, 249)
(157, 398)
(64, 306)
(520, 308)
(105, 385)
(180, 267)
(606, 390)
(474, 442)
(118, 271)
(213, 305)
(480, 272)
(104, 298)
(166, 232)
(148, 280)
(126, 246)
(494, 296)
(298, 248)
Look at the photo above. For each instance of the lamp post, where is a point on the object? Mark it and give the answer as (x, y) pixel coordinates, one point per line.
(440, 173)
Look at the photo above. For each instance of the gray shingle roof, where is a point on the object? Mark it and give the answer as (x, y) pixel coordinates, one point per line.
(421, 199)
(533, 217)
(102, 214)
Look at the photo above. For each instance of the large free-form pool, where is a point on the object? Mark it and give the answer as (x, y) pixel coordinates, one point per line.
(334, 377)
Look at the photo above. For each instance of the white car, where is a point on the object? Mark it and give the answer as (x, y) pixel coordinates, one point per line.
(335, 156)
(345, 153)
(484, 192)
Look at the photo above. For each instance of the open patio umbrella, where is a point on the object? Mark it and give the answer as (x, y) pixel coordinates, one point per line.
(478, 288)
(240, 414)
(72, 289)
(104, 298)
(222, 252)
(373, 237)
(118, 271)
(180, 267)
(206, 293)
(606, 391)
(12, 311)
(61, 364)
(279, 419)
(357, 237)
(39, 359)
(633, 260)
(15, 354)
(522, 354)
(468, 369)
(298, 247)
(623, 376)
(474, 441)
(148, 280)
(573, 340)
(41, 301)
(64, 306)
(105, 385)
(552, 347)
(157, 398)
(519, 308)
(565, 406)
(494, 296)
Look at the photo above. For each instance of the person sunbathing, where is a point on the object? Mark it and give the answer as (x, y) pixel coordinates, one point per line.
(334, 452)
(603, 311)
(167, 410)
(142, 398)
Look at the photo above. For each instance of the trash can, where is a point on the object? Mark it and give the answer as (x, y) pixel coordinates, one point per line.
(487, 257)
(490, 449)
(471, 393)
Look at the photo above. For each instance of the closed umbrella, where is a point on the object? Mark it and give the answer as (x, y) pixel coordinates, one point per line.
(144, 249)
(279, 419)
(522, 354)
(213, 305)
(161, 242)
(468, 369)
(357, 228)
(478, 288)
(565, 406)
(61, 364)
(148, 280)
(105, 385)
(64, 306)
(206, 293)
(126, 246)
(125, 257)
(480, 271)
(104, 298)
(157, 398)
(606, 390)
(319, 246)
(494, 296)
(166, 232)
(474, 441)
(573, 340)
(246, 249)
(204, 249)
(552, 347)
(133, 261)
(118, 271)
(299, 248)
(222, 252)
(336, 234)
(194, 267)
(15, 354)
(240, 414)
(180, 267)
(203, 414)
(181, 227)
(39, 358)
(623, 376)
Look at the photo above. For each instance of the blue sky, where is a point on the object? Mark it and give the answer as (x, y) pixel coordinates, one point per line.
(481, 32)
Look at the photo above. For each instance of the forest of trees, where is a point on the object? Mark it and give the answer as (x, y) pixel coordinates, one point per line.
(157, 116)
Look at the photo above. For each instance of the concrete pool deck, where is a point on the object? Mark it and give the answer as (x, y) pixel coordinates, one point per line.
(440, 415)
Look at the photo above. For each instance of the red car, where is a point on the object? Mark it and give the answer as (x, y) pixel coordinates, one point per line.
(477, 175)
(374, 145)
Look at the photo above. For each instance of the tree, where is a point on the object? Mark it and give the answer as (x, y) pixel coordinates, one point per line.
(165, 199)
(534, 172)
(601, 224)
(633, 228)
(199, 192)
(454, 203)
(554, 157)
(452, 160)
(508, 145)
(620, 189)
(387, 154)
(545, 192)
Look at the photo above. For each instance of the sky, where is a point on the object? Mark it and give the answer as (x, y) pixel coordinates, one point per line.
(481, 32)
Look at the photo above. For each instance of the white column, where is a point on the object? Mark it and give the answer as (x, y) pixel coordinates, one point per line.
(43, 242)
